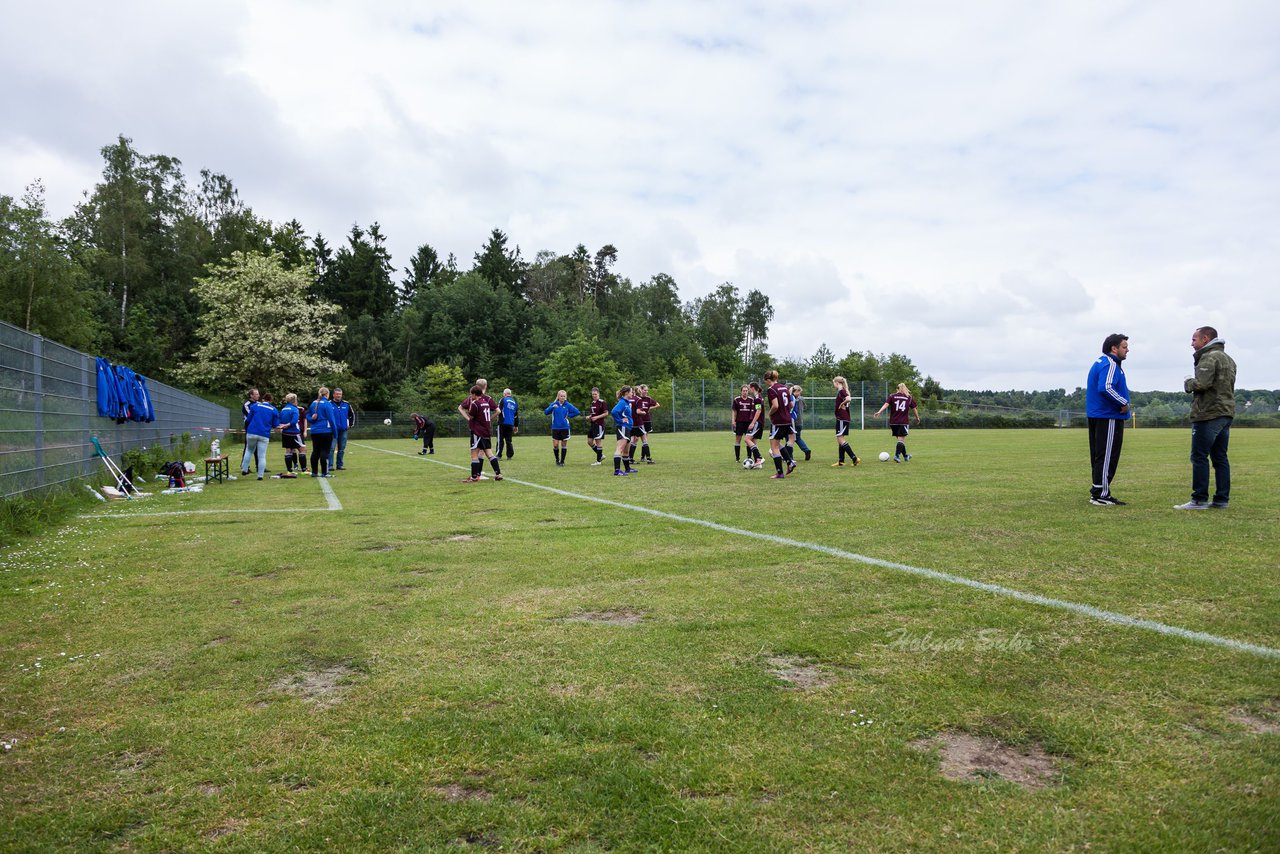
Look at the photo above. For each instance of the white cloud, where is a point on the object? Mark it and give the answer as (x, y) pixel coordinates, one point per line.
(948, 182)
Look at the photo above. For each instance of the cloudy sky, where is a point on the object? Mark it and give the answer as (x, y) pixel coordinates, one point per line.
(989, 188)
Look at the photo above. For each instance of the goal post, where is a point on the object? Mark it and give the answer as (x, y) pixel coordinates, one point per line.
(829, 408)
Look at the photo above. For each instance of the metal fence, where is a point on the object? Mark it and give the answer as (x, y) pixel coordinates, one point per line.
(48, 411)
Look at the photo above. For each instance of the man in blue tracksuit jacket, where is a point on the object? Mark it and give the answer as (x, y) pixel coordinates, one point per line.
(343, 419)
(508, 422)
(1107, 406)
(261, 419)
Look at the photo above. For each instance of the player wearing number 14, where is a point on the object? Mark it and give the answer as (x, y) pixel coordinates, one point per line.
(901, 406)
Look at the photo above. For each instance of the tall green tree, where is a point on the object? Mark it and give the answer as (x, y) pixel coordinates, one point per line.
(435, 388)
(41, 289)
(360, 281)
(578, 366)
(500, 266)
(261, 327)
(756, 314)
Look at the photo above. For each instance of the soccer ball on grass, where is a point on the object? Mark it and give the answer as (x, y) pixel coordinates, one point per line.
(884, 456)
(749, 463)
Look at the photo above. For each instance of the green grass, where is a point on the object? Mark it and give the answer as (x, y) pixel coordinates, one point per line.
(466, 711)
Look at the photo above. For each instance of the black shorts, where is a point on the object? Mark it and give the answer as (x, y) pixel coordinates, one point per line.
(623, 434)
(642, 430)
(291, 441)
(480, 443)
(899, 430)
(759, 431)
(560, 435)
(741, 428)
(842, 428)
(781, 432)
(596, 430)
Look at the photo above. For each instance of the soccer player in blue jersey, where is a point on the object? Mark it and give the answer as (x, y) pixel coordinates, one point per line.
(560, 410)
(623, 422)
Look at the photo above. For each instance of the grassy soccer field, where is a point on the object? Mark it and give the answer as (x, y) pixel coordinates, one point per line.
(443, 665)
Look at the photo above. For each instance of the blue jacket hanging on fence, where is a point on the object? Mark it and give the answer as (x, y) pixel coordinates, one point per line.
(108, 399)
(122, 394)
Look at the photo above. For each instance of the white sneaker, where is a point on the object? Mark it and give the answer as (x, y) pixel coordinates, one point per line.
(1192, 505)
(597, 463)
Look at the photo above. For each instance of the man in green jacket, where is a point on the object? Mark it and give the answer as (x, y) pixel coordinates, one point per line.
(1213, 406)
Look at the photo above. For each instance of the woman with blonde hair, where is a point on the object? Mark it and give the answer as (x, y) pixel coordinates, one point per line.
(842, 422)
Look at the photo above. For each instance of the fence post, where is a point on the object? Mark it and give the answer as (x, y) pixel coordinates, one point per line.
(673, 404)
(37, 368)
(704, 406)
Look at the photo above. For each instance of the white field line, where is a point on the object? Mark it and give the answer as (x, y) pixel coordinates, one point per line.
(932, 574)
(331, 501)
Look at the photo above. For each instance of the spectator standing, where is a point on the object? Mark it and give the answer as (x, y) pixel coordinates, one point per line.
(344, 418)
(1107, 406)
(321, 424)
(262, 419)
(508, 423)
(1213, 407)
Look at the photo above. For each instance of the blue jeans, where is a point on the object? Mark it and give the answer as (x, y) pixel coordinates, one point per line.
(1209, 442)
(255, 447)
(800, 442)
(339, 445)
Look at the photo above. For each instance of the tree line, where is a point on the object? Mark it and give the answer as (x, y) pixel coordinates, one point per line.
(183, 282)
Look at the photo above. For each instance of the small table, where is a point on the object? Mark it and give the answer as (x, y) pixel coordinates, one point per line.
(217, 468)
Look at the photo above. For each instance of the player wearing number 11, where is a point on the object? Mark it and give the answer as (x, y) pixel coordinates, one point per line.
(478, 410)
(900, 405)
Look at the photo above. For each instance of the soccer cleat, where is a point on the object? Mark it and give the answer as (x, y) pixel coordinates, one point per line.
(618, 473)
(838, 465)
(856, 459)
(1192, 505)
(896, 460)
(470, 480)
(422, 453)
(598, 463)
(650, 462)
(906, 457)
(1111, 499)
(791, 467)
(497, 477)
(1100, 502)
(777, 477)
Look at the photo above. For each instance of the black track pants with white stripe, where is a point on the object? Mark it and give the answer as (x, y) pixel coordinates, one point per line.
(1106, 435)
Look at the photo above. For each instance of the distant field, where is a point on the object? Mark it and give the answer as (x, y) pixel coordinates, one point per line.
(693, 658)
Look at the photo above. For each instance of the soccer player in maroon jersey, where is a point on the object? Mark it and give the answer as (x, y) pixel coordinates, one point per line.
(780, 431)
(643, 407)
(743, 412)
(478, 410)
(900, 405)
(595, 425)
(842, 422)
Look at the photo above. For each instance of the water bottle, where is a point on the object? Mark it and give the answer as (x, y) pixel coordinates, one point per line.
(214, 448)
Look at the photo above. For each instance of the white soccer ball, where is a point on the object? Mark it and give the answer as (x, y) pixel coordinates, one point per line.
(884, 456)
(387, 421)
(748, 464)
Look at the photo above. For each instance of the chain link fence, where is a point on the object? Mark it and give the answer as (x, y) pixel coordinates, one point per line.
(48, 411)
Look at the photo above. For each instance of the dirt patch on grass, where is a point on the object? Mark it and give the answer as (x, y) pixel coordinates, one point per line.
(209, 790)
(386, 547)
(131, 762)
(225, 829)
(799, 673)
(615, 617)
(974, 757)
(320, 688)
(456, 793)
(461, 538)
(1258, 724)
(218, 641)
